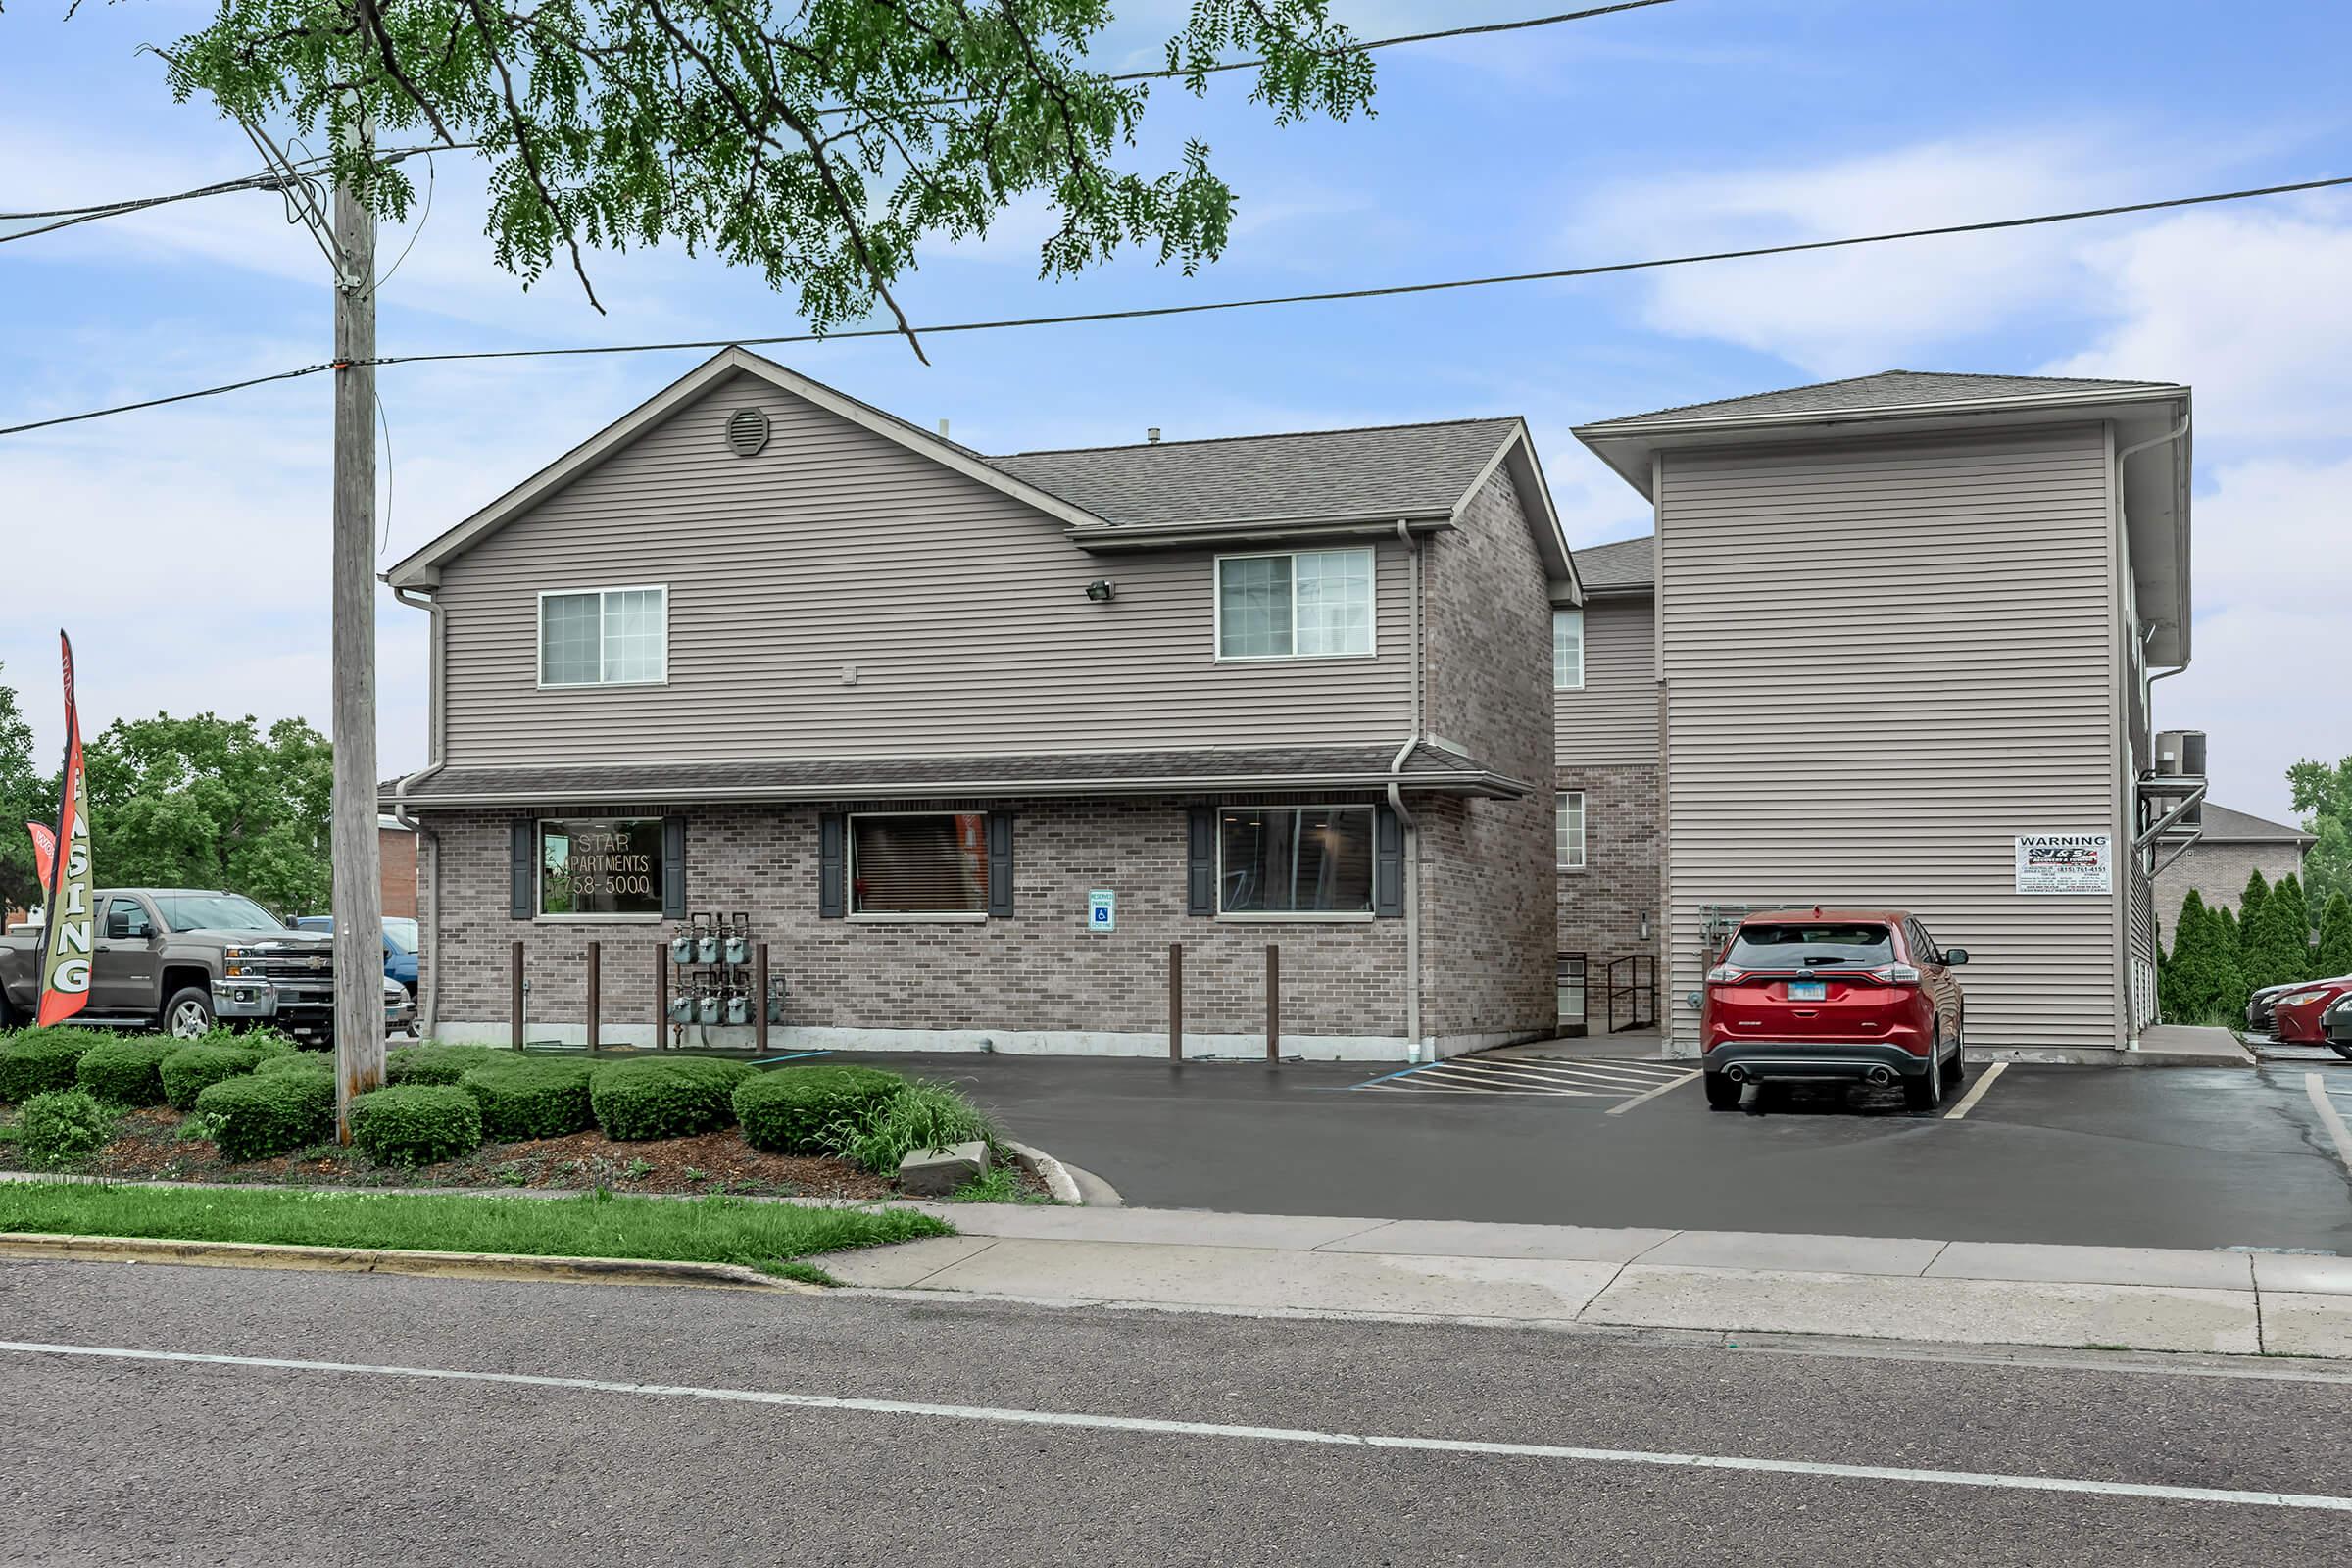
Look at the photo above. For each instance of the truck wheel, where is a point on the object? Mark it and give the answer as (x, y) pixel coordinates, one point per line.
(189, 1012)
(10, 1018)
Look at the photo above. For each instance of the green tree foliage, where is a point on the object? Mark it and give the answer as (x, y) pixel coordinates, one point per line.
(2334, 955)
(2324, 795)
(2275, 942)
(821, 141)
(2199, 980)
(27, 795)
(214, 802)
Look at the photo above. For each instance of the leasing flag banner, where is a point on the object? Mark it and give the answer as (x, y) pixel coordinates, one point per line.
(44, 851)
(67, 931)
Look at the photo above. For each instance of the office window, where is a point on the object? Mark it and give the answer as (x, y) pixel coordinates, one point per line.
(1567, 650)
(919, 865)
(604, 637)
(1568, 823)
(1309, 604)
(601, 868)
(1295, 860)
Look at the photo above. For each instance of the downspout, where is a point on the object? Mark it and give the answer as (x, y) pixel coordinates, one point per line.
(2131, 803)
(428, 842)
(1405, 815)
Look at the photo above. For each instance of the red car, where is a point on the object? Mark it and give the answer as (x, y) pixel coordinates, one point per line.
(1834, 995)
(2295, 1012)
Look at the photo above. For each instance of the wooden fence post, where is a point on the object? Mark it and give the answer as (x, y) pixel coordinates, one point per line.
(759, 998)
(661, 992)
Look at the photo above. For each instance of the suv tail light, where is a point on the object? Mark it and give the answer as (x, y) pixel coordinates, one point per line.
(1723, 974)
(1900, 974)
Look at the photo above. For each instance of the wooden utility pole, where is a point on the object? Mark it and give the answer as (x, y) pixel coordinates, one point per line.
(359, 898)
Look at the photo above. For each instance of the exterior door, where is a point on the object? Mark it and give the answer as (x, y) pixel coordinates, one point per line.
(123, 978)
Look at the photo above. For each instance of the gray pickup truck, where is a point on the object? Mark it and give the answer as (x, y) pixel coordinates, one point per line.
(178, 958)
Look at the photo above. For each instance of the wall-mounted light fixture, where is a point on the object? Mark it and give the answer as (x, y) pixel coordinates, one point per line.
(1101, 590)
(1646, 928)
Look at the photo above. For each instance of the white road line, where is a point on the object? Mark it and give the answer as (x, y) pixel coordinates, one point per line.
(1477, 1073)
(2313, 1086)
(1645, 1099)
(1969, 1101)
(1595, 1073)
(2156, 1492)
(1552, 1075)
(1630, 1070)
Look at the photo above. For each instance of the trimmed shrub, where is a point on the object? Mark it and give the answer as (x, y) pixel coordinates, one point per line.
(666, 1097)
(61, 1125)
(125, 1072)
(2334, 955)
(33, 1061)
(258, 1115)
(321, 1062)
(919, 1115)
(416, 1124)
(259, 1038)
(192, 1069)
(430, 1063)
(523, 1098)
(787, 1112)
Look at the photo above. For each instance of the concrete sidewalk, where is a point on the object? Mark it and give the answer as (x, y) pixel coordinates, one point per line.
(1969, 1292)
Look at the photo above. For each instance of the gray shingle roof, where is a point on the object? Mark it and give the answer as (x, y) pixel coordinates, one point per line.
(1626, 563)
(1410, 469)
(1106, 773)
(1887, 389)
(2223, 825)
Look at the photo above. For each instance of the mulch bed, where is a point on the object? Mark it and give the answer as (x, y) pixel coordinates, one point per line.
(147, 1146)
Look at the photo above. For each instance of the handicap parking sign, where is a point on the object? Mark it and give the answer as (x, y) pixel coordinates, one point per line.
(1101, 911)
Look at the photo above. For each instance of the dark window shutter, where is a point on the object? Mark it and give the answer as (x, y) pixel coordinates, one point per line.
(832, 867)
(1387, 863)
(525, 885)
(1200, 878)
(673, 868)
(999, 865)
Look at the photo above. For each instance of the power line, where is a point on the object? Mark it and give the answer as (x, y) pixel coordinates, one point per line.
(67, 217)
(1140, 312)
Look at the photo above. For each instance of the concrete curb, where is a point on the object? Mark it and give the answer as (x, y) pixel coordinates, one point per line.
(1046, 1168)
(392, 1260)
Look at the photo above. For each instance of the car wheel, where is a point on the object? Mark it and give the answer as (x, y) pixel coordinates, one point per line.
(190, 1013)
(1722, 1092)
(1957, 1073)
(2341, 1049)
(1924, 1091)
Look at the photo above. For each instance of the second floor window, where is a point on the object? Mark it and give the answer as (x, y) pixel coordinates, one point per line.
(604, 637)
(1567, 650)
(1308, 604)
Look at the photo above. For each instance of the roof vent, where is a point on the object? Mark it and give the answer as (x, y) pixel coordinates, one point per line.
(1152, 435)
(746, 432)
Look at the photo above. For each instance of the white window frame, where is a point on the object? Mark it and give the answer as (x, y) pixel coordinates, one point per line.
(1558, 685)
(848, 878)
(1584, 830)
(1216, 594)
(539, 915)
(1298, 916)
(539, 636)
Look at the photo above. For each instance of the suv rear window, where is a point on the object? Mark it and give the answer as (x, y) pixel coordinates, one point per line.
(1811, 946)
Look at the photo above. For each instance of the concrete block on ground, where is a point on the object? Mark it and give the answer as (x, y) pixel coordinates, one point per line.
(906, 1263)
(2093, 1265)
(1813, 1255)
(938, 1172)
(2304, 1323)
(1932, 1310)
(1262, 1278)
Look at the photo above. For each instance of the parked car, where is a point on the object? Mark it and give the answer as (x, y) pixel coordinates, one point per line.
(178, 958)
(399, 1008)
(2295, 1010)
(400, 946)
(1838, 995)
(2337, 1025)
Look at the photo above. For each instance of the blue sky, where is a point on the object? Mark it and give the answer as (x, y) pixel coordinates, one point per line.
(1687, 126)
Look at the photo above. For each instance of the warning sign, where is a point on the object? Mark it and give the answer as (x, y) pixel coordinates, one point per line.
(2065, 862)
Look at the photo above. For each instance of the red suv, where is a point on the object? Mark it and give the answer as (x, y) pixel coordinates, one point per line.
(1828, 995)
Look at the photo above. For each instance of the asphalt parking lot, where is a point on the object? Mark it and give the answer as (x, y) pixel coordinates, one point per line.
(2176, 1156)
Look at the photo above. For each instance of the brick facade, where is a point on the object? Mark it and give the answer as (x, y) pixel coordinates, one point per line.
(1602, 907)
(2219, 873)
(1037, 981)
(396, 850)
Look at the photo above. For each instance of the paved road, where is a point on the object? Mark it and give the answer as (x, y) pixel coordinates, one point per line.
(113, 1460)
(2142, 1157)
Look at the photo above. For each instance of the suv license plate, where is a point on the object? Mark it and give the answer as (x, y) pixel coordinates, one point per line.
(1808, 989)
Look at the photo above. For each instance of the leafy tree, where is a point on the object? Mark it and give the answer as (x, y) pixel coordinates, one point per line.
(2251, 900)
(2275, 942)
(2199, 979)
(821, 141)
(26, 795)
(2324, 794)
(2229, 944)
(2334, 955)
(209, 801)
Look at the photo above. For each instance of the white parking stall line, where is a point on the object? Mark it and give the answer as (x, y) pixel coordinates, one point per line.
(1561, 1453)
(1632, 1067)
(1610, 1075)
(1500, 1081)
(1560, 1075)
(1968, 1101)
(1648, 1096)
(2316, 1087)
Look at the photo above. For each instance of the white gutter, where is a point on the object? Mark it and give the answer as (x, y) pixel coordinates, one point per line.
(428, 842)
(1405, 815)
(1475, 782)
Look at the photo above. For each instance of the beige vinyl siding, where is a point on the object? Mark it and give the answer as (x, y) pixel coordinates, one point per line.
(1884, 659)
(1614, 719)
(963, 610)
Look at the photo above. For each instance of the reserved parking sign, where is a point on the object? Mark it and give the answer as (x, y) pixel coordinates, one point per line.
(1101, 911)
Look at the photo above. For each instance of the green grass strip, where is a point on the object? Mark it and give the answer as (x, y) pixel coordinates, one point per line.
(599, 1224)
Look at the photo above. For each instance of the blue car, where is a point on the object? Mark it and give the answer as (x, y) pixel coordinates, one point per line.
(400, 947)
